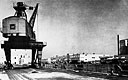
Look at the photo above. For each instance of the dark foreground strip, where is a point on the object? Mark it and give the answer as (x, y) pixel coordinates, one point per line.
(14, 75)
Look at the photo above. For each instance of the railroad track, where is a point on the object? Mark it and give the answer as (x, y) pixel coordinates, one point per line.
(17, 75)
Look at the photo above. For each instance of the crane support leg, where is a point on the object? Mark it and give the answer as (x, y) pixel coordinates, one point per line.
(34, 46)
(39, 53)
(33, 57)
(8, 58)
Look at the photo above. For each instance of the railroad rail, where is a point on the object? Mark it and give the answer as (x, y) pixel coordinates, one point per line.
(17, 74)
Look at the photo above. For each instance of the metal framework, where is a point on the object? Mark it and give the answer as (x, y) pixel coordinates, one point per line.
(24, 42)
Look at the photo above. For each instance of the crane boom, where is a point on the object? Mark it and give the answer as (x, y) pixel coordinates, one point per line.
(33, 17)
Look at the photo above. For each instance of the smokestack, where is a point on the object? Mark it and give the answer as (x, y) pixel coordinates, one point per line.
(118, 44)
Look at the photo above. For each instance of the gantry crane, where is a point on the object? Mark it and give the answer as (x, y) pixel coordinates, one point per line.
(20, 34)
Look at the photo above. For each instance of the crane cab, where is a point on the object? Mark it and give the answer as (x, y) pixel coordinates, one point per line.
(18, 25)
(14, 26)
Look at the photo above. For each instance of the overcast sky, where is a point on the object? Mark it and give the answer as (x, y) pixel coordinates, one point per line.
(76, 26)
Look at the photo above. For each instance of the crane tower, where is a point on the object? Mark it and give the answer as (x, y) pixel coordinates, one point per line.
(20, 33)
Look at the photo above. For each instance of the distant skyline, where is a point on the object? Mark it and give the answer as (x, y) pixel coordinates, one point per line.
(76, 26)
